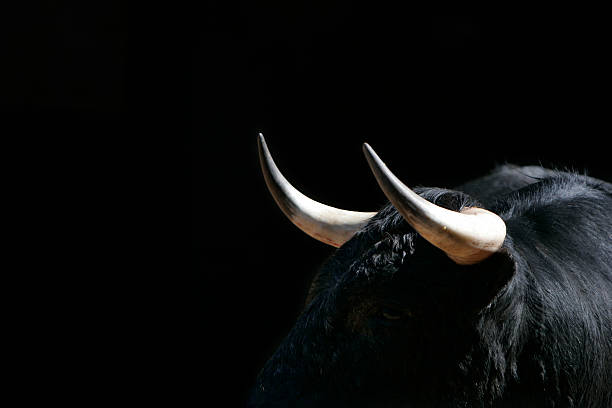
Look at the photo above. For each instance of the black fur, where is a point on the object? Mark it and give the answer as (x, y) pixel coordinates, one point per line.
(529, 326)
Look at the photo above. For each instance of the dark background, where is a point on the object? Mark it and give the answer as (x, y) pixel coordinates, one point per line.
(149, 116)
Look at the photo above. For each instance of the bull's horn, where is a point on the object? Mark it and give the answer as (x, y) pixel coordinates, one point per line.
(467, 237)
(330, 225)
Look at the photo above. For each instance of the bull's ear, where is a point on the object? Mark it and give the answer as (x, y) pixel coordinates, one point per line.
(488, 278)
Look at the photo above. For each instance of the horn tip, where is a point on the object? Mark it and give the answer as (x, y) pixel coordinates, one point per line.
(371, 156)
(261, 142)
(367, 149)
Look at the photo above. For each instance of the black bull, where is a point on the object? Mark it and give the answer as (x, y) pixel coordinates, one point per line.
(390, 321)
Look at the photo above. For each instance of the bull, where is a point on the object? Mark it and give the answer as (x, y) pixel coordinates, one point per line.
(497, 293)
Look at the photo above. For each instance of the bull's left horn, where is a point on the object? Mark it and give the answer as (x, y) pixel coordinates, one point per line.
(467, 237)
(330, 225)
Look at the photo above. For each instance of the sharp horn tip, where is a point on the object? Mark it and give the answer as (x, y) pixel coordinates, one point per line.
(260, 139)
(370, 153)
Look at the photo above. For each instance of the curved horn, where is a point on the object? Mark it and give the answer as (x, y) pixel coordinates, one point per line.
(467, 237)
(330, 225)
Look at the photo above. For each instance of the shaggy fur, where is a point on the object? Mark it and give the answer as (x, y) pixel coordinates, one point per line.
(390, 321)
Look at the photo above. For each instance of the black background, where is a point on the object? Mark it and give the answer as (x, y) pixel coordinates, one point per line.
(153, 113)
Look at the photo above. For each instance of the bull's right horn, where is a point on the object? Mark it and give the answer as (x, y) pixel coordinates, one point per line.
(467, 237)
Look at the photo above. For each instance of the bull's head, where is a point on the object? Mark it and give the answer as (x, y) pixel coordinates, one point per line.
(389, 319)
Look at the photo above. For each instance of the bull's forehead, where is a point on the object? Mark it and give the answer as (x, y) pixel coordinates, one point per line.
(366, 261)
(395, 266)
